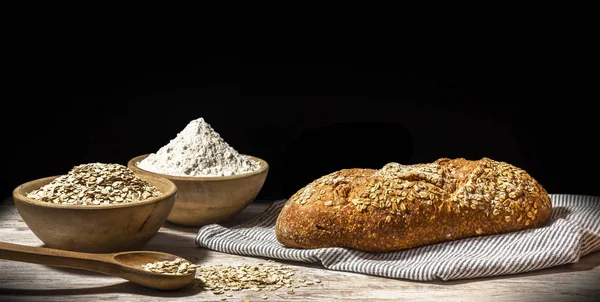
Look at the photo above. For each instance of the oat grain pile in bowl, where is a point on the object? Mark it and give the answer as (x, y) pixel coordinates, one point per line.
(95, 207)
(214, 181)
(96, 184)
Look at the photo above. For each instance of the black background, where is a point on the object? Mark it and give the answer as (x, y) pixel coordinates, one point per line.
(306, 114)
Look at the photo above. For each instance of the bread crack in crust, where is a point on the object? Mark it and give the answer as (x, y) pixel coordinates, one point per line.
(404, 206)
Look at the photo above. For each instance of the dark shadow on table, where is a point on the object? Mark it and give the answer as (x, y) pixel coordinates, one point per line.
(76, 271)
(180, 228)
(124, 287)
(255, 208)
(162, 242)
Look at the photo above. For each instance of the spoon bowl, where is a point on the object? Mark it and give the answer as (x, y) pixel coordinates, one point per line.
(126, 265)
(133, 261)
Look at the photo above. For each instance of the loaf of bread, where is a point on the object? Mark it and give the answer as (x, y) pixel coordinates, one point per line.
(405, 206)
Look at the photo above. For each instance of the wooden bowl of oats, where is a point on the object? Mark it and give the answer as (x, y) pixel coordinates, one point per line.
(95, 208)
(204, 200)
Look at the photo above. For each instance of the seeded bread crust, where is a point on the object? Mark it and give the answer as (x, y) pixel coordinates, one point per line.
(405, 206)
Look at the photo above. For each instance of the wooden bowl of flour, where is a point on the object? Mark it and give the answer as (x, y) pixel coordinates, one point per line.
(205, 200)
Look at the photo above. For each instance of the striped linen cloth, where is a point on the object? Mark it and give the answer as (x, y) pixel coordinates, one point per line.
(573, 231)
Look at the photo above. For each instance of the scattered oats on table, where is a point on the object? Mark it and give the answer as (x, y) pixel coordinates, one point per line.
(259, 278)
(96, 184)
(178, 267)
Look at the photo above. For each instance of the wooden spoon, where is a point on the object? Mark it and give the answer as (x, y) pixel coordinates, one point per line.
(127, 265)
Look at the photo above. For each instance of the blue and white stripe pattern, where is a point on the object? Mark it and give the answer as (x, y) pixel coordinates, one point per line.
(574, 231)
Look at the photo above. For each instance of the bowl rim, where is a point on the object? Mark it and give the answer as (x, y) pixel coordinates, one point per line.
(264, 166)
(17, 194)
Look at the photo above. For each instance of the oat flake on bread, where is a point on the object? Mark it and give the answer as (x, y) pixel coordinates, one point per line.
(198, 150)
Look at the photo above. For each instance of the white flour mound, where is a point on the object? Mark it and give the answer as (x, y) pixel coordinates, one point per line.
(198, 151)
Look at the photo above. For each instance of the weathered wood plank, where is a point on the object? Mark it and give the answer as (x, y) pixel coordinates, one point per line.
(32, 282)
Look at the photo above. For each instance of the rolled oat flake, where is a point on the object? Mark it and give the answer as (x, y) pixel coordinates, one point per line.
(96, 184)
(198, 150)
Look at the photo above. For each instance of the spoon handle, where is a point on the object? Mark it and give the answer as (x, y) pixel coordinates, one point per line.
(102, 263)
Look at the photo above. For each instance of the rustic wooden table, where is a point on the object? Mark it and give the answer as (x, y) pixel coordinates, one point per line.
(24, 281)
